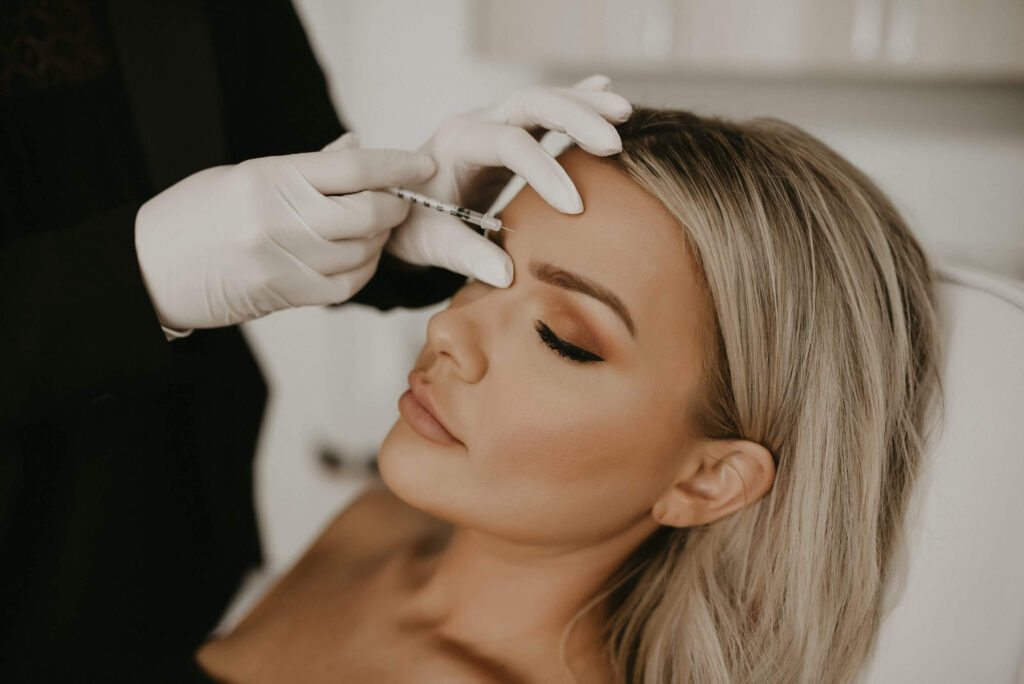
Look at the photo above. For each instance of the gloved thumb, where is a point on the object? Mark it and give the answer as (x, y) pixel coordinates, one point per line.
(434, 239)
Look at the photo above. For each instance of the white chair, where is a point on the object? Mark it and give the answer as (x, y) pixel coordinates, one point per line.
(961, 615)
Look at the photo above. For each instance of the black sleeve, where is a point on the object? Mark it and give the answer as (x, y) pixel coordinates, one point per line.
(275, 97)
(75, 317)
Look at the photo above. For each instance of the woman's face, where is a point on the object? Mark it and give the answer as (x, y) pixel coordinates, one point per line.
(569, 393)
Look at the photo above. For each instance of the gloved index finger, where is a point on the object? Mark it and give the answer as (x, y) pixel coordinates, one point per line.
(344, 171)
(440, 240)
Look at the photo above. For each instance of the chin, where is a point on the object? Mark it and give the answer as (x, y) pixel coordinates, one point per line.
(415, 470)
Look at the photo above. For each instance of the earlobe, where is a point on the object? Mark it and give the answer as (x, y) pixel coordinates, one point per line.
(719, 477)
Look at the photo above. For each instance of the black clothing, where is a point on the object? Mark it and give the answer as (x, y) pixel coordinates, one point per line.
(126, 512)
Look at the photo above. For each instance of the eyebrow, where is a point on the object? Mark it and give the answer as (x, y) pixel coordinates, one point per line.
(552, 275)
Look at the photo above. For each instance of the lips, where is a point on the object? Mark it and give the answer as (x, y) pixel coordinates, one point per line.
(418, 408)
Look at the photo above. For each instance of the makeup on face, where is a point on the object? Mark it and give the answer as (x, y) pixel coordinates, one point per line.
(572, 282)
(568, 422)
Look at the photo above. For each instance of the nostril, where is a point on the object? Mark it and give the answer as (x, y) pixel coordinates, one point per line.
(452, 359)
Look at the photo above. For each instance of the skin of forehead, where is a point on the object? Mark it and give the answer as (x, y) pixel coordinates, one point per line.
(625, 239)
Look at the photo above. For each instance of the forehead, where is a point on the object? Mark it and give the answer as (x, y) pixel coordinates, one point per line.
(625, 239)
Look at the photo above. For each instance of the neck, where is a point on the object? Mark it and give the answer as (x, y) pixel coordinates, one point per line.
(497, 595)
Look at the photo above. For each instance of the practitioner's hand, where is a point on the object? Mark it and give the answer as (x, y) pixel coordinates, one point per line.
(233, 243)
(473, 152)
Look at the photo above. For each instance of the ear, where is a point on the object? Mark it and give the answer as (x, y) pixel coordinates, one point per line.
(718, 477)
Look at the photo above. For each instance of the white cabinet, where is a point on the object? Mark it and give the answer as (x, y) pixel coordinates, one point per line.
(944, 39)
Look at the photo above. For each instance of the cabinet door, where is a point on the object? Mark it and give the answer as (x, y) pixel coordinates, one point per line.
(964, 39)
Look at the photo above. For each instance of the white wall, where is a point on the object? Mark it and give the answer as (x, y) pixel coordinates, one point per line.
(952, 156)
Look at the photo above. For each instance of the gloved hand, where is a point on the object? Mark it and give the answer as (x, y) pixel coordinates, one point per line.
(466, 145)
(233, 243)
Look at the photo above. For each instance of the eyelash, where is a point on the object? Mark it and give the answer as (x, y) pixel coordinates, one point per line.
(562, 348)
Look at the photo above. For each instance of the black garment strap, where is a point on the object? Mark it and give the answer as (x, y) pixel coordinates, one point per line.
(170, 76)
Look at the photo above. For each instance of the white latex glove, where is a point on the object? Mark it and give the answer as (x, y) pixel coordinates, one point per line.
(233, 243)
(465, 145)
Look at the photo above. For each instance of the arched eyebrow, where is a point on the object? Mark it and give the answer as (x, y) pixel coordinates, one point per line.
(567, 280)
(574, 282)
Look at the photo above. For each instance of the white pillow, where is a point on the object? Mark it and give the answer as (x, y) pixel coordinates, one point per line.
(961, 616)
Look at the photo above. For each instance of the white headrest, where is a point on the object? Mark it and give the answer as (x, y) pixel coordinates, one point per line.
(961, 616)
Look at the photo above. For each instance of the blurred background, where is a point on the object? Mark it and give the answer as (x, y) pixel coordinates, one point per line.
(925, 96)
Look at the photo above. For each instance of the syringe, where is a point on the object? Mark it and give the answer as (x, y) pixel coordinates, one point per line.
(468, 215)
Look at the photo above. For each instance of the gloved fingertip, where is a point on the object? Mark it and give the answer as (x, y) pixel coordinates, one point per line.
(608, 151)
(564, 197)
(610, 143)
(622, 112)
(425, 166)
(499, 275)
(509, 273)
(573, 204)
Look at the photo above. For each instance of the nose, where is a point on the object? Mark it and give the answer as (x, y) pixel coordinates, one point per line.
(457, 333)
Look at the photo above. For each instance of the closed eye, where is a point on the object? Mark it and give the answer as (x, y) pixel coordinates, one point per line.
(564, 349)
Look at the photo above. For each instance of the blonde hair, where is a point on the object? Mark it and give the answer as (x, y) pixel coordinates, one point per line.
(824, 350)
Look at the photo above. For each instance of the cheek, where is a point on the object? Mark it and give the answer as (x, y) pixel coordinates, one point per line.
(561, 472)
(574, 437)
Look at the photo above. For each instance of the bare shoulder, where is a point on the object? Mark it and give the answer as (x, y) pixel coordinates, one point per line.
(303, 605)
